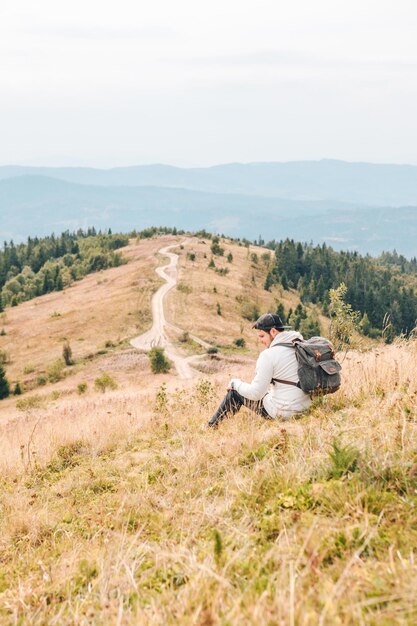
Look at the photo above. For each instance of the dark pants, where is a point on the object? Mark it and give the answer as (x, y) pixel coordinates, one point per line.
(231, 404)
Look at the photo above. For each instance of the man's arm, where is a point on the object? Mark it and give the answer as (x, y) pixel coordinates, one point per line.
(259, 385)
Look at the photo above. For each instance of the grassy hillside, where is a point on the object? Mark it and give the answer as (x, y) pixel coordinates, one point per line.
(121, 508)
(97, 315)
(117, 513)
(100, 313)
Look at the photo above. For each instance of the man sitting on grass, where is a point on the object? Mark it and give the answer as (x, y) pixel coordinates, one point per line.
(273, 393)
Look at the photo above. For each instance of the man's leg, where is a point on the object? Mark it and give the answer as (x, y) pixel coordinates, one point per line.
(231, 404)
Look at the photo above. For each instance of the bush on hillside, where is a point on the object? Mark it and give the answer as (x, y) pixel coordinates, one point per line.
(184, 288)
(56, 371)
(344, 319)
(4, 357)
(17, 389)
(184, 337)
(250, 311)
(159, 363)
(104, 382)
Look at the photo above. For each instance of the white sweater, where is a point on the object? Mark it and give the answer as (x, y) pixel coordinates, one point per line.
(281, 400)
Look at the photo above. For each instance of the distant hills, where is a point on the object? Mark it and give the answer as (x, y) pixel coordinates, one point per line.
(359, 206)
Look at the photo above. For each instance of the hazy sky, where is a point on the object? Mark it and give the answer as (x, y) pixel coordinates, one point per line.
(106, 83)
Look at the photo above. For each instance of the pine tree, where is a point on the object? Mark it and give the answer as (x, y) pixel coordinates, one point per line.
(59, 283)
(281, 312)
(365, 324)
(268, 282)
(4, 384)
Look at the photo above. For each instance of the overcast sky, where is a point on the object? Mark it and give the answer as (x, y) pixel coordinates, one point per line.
(186, 82)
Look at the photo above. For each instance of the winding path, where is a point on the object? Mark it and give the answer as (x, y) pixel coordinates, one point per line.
(156, 336)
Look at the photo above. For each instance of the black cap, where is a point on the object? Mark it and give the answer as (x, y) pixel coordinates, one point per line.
(268, 321)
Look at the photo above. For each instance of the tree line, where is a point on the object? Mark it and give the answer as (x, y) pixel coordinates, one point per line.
(383, 289)
(45, 264)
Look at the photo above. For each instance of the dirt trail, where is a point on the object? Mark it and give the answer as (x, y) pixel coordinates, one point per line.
(156, 336)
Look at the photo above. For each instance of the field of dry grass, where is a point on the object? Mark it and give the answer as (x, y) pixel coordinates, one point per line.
(114, 512)
(121, 508)
(193, 305)
(97, 315)
(106, 306)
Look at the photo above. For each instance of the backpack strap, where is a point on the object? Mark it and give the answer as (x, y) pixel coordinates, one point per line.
(285, 382)
(278, 380)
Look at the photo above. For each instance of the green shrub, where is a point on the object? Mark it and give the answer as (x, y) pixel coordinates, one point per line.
(33, 402)
(161, 399)
(184, 337)
(212, 350)
(204, 391)
(56, 371)
(344, 460)
(240, 342)
(217, 249)
(104, 382)
(17, 390)
(81, 388)
(159, 362)
(223, 271)
(250, 311)
(4, 357)
(41, 380)
(184, 288)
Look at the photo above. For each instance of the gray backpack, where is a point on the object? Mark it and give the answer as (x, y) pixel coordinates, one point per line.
(318, 370)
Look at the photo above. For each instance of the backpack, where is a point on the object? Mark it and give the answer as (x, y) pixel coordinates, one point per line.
(318, 370)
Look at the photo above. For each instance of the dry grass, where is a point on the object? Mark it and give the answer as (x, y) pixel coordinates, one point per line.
(111, 305)
(130, 513)
(101, 312)
(193, 306)
(118, 508)
(97, 315)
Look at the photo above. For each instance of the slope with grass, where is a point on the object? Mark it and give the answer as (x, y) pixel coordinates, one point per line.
(107, 517)
(97, 315)
(118, 507)
(101, 313)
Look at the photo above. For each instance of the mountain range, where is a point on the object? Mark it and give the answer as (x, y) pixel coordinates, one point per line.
(356, 206)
